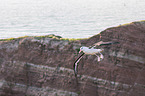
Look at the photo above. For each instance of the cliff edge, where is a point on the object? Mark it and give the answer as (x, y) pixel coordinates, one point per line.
(43, 66)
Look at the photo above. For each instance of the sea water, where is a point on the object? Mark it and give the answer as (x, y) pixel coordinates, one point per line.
(66, 18)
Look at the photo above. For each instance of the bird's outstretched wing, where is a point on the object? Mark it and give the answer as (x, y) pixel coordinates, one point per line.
(105, 43)
(76, 64)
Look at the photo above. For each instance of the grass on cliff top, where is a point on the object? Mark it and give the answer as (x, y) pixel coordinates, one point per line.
(131, 23)
(46, 36)
(57, 37)
(9, 39)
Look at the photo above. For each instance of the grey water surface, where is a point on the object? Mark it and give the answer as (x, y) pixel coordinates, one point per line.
(67, 18)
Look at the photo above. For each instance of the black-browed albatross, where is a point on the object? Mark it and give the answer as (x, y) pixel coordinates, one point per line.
(91, 51)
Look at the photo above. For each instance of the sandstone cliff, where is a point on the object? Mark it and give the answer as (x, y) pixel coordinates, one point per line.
(43, 66)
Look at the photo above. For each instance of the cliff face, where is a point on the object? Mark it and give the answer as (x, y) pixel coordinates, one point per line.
(35, 66)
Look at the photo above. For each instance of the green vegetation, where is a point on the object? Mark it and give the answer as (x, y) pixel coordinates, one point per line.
(56, 37)
(61, 71)
(78, 92)
(41, 37)
(71, 39)
(9, 39)
(131, 23)
(47, 36)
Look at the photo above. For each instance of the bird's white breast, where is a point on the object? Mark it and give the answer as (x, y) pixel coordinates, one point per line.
(91, 51)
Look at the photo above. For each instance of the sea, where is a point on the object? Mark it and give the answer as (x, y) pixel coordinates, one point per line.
(66, 18)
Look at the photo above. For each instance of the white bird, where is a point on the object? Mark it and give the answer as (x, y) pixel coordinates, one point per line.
(88, 51)
(91, 51)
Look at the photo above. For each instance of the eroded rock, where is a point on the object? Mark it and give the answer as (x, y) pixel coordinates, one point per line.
(34, 66)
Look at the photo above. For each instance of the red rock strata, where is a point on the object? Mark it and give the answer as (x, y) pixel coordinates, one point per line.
(35, 66)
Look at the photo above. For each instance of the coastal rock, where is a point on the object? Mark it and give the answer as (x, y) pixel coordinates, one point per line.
(43, 66)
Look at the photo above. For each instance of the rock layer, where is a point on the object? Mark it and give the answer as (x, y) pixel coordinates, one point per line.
(34, 66)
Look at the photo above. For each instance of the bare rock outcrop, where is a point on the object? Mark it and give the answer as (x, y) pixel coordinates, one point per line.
(43, 66)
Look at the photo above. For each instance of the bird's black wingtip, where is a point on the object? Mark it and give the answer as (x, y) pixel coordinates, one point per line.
(75, 66)
(116, 42)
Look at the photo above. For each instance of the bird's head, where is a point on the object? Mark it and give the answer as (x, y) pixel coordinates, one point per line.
(101, 50)
(82, 49)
